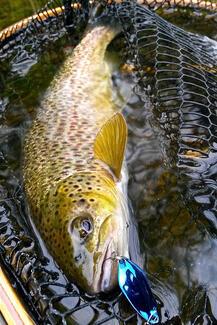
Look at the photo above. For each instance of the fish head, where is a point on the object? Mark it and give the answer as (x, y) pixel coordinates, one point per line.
(90, 218)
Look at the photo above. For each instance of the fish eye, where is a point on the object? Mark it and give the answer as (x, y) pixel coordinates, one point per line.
(83, 224)
(86, 226)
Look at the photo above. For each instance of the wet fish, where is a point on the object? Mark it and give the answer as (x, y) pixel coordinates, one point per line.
(73, 162)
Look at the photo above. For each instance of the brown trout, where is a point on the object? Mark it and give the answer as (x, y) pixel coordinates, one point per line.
(73, 161)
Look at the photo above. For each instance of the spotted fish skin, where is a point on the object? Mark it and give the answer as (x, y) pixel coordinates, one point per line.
(66, 186)
(75, 106)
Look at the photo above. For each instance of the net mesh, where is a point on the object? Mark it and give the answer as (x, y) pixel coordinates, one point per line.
(183, 85)
(176, 70)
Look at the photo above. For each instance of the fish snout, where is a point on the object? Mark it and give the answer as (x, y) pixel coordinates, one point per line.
(109, 276)
(106, 275)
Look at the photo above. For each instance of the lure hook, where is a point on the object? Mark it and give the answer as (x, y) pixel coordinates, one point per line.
(115, 257)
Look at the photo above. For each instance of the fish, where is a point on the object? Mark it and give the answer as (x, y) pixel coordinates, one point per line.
(74, 170)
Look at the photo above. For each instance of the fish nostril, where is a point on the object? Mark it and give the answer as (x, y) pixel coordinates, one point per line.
(78, 257)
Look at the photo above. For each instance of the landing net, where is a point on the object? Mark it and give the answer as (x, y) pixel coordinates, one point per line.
(177, 72)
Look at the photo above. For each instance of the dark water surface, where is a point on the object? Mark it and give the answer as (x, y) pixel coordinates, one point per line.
(180, 258)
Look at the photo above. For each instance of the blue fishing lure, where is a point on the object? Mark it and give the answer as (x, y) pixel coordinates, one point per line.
(133, 283)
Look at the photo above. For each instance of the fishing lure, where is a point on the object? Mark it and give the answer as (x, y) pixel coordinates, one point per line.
(133, 283)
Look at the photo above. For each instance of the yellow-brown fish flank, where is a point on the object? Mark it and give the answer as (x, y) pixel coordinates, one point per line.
(71, 171)
(61, 139)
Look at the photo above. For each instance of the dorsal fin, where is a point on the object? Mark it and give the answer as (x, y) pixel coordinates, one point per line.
(110, 143)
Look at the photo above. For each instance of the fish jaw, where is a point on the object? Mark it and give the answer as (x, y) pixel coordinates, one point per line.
(114, 241)
(99, 270)
(105, 279)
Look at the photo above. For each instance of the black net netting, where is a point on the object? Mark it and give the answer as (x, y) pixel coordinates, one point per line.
(174, 73)
(183, 89)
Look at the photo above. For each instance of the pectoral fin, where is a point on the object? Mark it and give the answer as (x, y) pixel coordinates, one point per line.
(110, 143)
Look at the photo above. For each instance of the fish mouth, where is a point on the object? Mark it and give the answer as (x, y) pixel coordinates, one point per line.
(106, 277)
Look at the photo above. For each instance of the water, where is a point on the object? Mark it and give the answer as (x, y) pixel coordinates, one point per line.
(180, 258)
